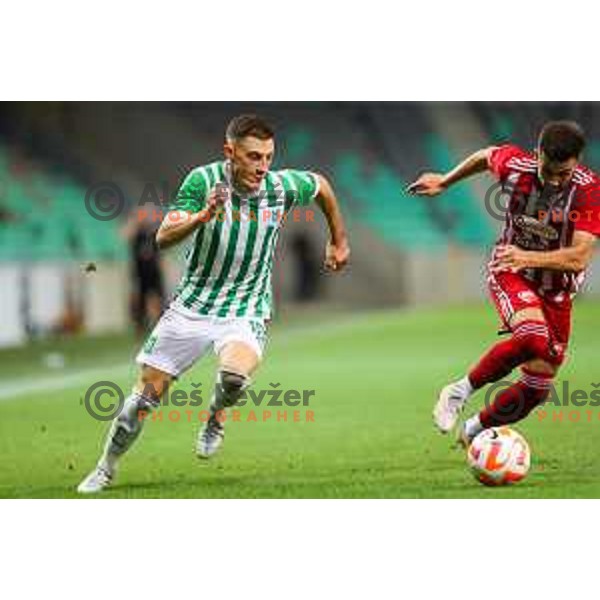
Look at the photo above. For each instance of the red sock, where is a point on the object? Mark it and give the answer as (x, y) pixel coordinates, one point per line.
(530, 339)
(516, 402)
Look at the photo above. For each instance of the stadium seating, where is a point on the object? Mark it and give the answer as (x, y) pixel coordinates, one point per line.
(371, 151)
(377, 201)
(44, 218)
(380, 205)
(48, 220)
(464, 216)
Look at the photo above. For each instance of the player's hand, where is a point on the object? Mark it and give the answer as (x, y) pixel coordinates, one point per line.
(336, 256)
(217, 198)
(428, 184)
(509, 258)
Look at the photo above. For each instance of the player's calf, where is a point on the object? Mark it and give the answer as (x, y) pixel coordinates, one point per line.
(512, 404)
(229, 388)
(126, 428)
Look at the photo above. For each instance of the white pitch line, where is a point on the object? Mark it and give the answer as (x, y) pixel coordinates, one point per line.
(13, 388)
(20, 387)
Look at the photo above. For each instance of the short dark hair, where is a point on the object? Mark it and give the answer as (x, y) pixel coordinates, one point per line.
(562, 140)
(249, 125)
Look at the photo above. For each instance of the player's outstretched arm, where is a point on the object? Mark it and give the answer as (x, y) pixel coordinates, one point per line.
(570, 258)
(178, 224)
(337, 252)
(432, 184)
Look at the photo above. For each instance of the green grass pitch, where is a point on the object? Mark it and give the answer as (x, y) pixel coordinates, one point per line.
(376, 377)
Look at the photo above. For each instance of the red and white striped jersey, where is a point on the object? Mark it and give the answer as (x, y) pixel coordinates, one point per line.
(542, 220)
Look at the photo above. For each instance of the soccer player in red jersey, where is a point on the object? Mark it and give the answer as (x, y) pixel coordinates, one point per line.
(551, 222)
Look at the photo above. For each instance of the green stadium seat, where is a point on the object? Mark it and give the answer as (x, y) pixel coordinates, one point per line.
(298, 143)
(471, 226)
(503, 127)
(381, 205)
(16, 242)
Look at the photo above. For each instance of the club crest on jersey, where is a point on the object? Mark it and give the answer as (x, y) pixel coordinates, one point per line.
(526, 296)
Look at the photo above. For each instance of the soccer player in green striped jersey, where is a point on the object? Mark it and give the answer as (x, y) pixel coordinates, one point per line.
(232, 211)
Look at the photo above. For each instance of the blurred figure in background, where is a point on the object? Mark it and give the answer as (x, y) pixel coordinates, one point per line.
(147, 291)
(308, 268)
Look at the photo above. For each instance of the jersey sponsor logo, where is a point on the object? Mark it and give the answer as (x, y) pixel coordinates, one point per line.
(532, 226)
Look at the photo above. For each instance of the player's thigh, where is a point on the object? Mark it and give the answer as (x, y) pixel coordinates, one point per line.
(557, 315)
(176, 343)
(514, 298)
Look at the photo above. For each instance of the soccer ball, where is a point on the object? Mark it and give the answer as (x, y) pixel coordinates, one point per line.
(499, 456)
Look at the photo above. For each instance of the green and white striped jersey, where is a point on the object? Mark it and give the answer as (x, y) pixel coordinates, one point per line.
(229, 264)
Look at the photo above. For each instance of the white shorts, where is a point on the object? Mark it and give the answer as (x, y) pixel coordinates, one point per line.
(182, 337)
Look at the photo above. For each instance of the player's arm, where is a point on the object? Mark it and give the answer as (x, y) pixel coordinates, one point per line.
(338, 249)
(570, 258)
(179, 224)
(432, 184)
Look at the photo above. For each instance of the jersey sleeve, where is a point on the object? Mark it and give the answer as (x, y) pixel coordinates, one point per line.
(191, 195)
(587, 204)
(499, 158)
(304, 188)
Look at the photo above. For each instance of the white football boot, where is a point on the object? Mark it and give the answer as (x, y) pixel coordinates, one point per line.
(451, 402)
(468, 431)
(210, 438)
(463, 439)
(99, 479)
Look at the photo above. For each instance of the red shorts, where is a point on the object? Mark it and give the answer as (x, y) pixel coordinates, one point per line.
(512, 293)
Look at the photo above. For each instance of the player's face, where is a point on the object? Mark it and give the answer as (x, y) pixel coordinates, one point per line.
(250, 158)
(555, 174)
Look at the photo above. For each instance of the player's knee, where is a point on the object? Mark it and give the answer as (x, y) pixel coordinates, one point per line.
(534, 338)
(536, 384)
(232, 386)
(152, 383)
(541, 367)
